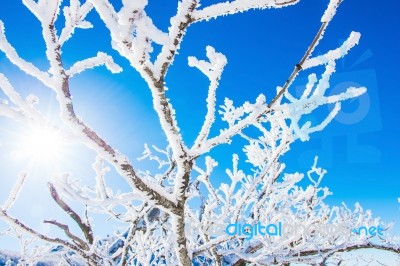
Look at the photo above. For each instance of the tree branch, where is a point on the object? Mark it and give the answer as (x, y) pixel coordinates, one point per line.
(15, 222)
(318, 37)
(154, 192)
(84, 226)
(393, 249)
(99, 59)
(25, 66)
(82, 244)
(237, 6)
(14, 192)
(226, 135)
(179, 24)
(213, 70)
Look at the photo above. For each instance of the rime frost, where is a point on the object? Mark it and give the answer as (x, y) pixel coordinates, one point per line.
(177, 214)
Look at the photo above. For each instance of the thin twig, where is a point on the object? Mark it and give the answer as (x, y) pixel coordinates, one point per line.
(298, 66)
(15, 192)
(85, 227)
(74, 238)
(17, 223)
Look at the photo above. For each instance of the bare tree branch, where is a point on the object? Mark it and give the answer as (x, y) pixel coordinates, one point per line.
(84, 226)
(82, 244)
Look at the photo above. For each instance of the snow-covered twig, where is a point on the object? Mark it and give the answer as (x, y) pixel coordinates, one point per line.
(26, 229)
(332, 7)
(238, 6)
(333, 55)
(14, 192)
(25, 66)
(99, 59)
(213, 71)
(75, 15)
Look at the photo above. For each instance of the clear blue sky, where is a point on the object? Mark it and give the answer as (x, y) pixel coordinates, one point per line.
(360, 149)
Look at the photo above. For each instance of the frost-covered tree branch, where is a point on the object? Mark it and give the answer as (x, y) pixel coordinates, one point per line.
(179, 213)
(14, 192)
(83, 225)
(61, 87)
(237, 6)
(213, 71)
(26, 229)
(100, 59)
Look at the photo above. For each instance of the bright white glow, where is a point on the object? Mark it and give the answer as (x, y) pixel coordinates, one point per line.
(42, 144)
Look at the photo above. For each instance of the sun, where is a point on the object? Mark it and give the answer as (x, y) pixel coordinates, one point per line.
(42, 144)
